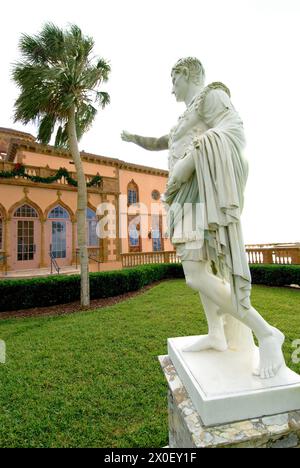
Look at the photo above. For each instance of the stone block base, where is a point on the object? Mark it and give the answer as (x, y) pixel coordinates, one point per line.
(223, 388)
(186, 430)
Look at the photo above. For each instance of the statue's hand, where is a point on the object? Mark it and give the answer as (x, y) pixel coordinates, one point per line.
(126, 136)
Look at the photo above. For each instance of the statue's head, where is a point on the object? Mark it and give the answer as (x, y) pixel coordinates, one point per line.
(185, 71)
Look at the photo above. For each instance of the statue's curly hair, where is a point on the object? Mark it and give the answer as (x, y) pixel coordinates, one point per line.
(195, 67)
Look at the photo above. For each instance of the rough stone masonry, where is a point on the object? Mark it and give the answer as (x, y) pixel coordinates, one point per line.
(186, 429)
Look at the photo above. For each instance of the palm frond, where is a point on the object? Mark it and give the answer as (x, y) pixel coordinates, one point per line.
(105, 68)
(57, 72)
(52, 38)
(90, 78)
(78, 47)
(61, 139)
(84, 119)
(32, 49)
(46, 127)
(41, 91)
(103, 98)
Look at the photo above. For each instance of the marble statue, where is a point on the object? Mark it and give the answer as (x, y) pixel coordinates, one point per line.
(207, 168)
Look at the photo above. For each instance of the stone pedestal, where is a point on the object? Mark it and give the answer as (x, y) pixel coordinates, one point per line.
(223, 388)
(187, 430)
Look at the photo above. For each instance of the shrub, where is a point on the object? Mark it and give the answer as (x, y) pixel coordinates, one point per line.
(53, 290)
(275, 275)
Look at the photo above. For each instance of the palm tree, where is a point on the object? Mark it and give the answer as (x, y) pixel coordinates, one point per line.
(59, 80)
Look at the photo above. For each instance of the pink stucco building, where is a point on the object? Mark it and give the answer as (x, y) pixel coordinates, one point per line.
(38, 217)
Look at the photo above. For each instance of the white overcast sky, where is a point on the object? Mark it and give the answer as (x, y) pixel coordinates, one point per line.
(250, 45)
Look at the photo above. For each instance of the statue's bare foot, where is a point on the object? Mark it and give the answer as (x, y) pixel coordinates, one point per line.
(271, 356)
(217, 342)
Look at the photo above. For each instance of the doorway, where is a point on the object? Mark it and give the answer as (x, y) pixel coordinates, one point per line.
(60, 235)
(26, 236)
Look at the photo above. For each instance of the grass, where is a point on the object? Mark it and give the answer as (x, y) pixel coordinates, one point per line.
(93, 379)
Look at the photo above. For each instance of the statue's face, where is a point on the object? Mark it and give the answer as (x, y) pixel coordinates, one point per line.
(180, 85)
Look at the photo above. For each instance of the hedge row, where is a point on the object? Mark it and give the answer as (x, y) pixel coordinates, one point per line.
(53, 290)
(275, 275)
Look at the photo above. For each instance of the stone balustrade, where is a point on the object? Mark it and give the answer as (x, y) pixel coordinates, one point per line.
(283, 254)
(144, 258)
(257, 254)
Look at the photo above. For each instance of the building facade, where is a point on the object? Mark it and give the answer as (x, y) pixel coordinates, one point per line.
(38, 200)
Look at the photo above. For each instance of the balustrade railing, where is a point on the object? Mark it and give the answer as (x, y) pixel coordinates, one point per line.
(144, 258)
(288, 254)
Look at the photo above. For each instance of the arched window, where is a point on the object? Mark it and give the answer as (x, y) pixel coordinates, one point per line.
(157, 241)
(91, 221)
(132, 193)
(25, 211)
(59, 215)
(134, 237)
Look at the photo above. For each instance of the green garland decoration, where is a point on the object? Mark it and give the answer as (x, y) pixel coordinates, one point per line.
(20, 171)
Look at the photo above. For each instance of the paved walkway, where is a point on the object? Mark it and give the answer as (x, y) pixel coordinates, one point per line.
(40, 272)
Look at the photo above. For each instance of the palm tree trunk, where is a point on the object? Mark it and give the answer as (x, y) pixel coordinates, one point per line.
(81, 210)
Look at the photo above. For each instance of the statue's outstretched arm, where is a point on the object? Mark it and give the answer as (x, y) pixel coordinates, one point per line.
(151, 144)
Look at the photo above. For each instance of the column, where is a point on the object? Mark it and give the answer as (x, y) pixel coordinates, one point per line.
(43, 247)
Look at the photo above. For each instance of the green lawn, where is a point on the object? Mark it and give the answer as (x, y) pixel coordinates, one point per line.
(93, 379)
